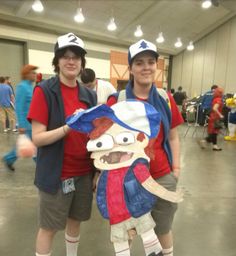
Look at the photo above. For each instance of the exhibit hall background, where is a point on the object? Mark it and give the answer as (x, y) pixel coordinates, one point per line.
(38, 50)
(213, 61)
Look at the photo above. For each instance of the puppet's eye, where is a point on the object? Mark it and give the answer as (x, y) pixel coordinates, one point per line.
(104, 142)
(125, 138)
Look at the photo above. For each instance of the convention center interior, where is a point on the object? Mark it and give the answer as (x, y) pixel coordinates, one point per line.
(117, 127)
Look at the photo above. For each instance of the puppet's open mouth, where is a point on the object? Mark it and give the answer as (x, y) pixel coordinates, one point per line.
(116, 157)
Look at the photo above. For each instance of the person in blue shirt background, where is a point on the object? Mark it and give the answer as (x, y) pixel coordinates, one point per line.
(24, 92)
(6, 101)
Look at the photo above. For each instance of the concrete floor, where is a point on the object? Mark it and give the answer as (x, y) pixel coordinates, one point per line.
(205, 223)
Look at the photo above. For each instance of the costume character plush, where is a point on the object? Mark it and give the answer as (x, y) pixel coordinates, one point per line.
(231, 103)
(121, 139)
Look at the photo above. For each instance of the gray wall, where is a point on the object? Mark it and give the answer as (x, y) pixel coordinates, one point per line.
(11, 59)
(213, 61)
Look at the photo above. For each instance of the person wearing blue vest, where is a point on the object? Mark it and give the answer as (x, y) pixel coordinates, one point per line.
(24, 92)
(165, 168)
(64, 170)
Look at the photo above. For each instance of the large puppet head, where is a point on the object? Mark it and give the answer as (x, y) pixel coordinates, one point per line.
(119, 134)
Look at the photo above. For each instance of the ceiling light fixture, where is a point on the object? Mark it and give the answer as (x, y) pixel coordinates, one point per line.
(190, 46)
(178, 43)
(79, 17)
(112, 25)
(37, 6)
(206, 4)
(138, 32)
(160, 39)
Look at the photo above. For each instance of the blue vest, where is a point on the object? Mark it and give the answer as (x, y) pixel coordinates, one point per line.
(137, 199)
(50, 157)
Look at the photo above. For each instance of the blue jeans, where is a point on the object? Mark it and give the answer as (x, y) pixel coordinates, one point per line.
(11, 157)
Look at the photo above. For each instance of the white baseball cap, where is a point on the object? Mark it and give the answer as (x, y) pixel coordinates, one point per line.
(141, 46)
(67, 40)
(131, 114)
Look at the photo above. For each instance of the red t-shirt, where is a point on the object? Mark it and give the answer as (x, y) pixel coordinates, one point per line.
(214, 116)
(76, 161)
(160, 165)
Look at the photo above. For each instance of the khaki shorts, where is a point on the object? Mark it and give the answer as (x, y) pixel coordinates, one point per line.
(163, 212)
(119, 232)
(54, 209)
(7, 112)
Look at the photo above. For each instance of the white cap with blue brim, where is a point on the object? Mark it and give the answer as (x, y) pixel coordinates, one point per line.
(132, 114)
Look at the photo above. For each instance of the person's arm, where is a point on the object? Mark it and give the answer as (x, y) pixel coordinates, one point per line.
(175, 150)
(42, 137)
(20, 107)
(216, 109)
(12, 99)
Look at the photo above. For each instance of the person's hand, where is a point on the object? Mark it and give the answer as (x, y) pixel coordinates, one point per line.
(78, 110)
(21, 130)
(95, 181)
(176, 173)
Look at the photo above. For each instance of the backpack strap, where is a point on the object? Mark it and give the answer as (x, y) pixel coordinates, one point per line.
(164, 95)
(162, 92)
(121, 96)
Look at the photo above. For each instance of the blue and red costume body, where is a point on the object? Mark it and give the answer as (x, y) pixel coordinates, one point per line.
(120, 194)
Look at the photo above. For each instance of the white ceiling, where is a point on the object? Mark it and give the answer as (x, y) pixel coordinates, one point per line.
(175, 18)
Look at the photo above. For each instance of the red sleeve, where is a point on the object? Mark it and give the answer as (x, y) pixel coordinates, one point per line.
(111, 100)
(177, 118)
(216, 101)
(38, 108)
(141, 172)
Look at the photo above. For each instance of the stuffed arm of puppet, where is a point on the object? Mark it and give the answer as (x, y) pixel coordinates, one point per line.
(153, 187)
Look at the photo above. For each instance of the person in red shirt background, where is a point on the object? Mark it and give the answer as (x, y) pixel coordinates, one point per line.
(215, 115)
(165, 168)
(64, 170)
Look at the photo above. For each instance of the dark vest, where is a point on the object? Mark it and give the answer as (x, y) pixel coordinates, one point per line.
(50, 157)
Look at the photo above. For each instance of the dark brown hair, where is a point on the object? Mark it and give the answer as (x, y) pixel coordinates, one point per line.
(2, 79)
(59, 53)
(87, 76)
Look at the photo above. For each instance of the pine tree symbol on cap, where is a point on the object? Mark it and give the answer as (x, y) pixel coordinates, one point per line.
(143, 45)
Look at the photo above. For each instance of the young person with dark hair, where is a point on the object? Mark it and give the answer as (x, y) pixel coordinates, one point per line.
(102, 88)
(64, 170)
(179, 97)
(165, 168)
